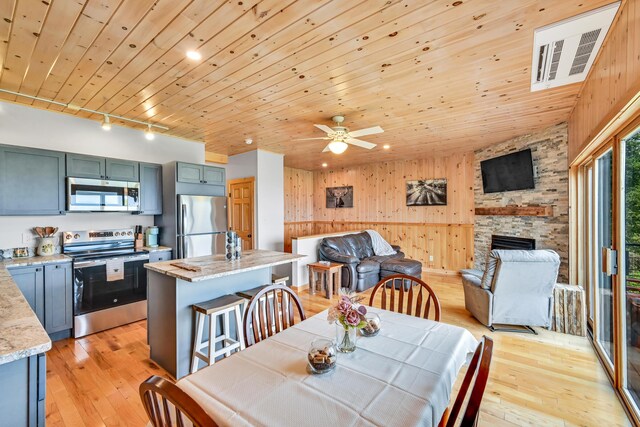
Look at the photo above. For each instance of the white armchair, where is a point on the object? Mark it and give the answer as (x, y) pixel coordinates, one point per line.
(516, 288)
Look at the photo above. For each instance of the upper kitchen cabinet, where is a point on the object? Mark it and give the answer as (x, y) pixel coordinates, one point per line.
(31, 181)
(82, 166)
(150, 189)
(189, 173)
(122, 170)
(213, 175)
(200, 174)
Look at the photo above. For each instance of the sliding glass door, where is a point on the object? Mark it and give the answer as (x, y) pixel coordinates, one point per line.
(603, 233)
(609, 266)
(630, 228)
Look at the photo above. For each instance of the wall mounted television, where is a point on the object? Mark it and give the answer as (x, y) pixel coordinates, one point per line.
(508, 173)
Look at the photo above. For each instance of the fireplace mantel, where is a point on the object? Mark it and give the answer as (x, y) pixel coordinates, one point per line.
(517, 211)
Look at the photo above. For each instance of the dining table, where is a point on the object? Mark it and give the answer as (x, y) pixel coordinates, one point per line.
(403, 376)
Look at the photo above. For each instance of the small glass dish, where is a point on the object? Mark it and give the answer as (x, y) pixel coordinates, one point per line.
(322, 356)
(373, 325)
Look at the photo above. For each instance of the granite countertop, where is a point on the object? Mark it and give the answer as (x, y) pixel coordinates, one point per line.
(34, 260)
(217, 266)
(21, 333)
(156, 248)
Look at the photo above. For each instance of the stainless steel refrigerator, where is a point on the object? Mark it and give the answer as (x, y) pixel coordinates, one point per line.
(202, 222)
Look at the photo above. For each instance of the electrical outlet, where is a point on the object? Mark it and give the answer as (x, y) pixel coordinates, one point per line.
(27, 238)
(430, 258)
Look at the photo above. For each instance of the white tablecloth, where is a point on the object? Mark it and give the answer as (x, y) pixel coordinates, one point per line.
(401, 377)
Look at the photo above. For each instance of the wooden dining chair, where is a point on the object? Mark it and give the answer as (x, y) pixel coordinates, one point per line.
(408, 295)
(270, 311)
(478, 370)
(167, 405)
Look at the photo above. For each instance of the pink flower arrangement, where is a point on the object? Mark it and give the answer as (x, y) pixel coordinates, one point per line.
(348, 312)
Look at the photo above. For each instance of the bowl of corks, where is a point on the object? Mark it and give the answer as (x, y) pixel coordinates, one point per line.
(372, 327)
(322, 356)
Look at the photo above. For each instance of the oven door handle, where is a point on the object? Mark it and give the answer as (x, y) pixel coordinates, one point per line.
(87, 264)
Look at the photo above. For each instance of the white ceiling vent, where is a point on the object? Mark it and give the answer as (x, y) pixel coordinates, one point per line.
(563, 52)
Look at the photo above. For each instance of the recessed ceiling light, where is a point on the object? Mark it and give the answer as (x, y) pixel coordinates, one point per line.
(149, 133)
(324, 165)
(195, 55)
(106, 124)
(386, 146)
(248, 141)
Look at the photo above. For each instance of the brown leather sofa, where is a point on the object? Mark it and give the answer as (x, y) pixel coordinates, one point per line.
(362, 269)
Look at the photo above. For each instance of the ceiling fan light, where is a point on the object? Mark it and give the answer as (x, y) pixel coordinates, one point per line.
(338, 147)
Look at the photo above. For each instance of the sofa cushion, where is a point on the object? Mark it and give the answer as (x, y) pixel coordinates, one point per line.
(407, 266)
(382, 258)
(368, 267)
(358, 244)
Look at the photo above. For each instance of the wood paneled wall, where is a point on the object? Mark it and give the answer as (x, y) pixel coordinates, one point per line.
(613, 82)
(439, 236)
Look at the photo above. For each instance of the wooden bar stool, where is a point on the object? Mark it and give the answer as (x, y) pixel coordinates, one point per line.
(223, 306)
(325, 277)
(275, 280)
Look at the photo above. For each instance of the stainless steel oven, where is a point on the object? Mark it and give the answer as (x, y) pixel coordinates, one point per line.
(109, 279)
(97, 195)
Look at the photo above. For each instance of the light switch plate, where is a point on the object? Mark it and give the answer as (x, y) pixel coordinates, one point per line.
(430, 258)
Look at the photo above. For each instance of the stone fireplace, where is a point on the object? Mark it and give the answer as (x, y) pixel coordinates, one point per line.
(510, 242)
(549, 230)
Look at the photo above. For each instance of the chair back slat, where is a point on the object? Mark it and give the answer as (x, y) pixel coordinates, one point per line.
(409, 300)
(401, 290)
(478, 369)
(270, 311)
(156, 388)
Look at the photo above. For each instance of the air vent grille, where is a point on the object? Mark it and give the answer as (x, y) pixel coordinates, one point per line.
(555, 60)
(585, 48)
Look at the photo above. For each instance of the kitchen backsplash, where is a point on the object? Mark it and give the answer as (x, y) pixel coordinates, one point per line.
(14, 229)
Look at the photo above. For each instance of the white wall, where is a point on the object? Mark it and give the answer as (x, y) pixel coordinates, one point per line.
(268, 170)
(270, 201)
(31, 127)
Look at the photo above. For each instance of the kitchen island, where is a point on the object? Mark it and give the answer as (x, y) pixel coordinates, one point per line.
(171, 291)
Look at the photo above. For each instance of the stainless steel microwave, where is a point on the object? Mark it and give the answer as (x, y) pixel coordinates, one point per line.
(97, 195)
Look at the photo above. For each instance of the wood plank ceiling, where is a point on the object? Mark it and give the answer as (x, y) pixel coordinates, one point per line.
(439, 76)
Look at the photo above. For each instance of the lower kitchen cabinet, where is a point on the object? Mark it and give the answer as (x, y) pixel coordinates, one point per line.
(24, 389)
(30, 281)
(58, 297)
(158, 256)
(49, 291)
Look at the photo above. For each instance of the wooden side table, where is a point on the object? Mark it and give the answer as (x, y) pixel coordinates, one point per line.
(327, 277)
(569, 310)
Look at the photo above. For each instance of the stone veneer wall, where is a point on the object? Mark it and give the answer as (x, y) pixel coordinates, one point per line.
(549, 151)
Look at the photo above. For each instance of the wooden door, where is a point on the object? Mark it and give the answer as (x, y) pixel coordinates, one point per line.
(241, 209)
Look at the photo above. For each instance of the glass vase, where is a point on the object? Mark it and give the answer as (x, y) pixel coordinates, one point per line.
(345, 338)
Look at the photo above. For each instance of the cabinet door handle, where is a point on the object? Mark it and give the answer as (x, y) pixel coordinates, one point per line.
(38, 269)
(57, 266)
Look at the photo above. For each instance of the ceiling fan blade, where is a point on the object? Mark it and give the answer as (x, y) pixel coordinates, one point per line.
(309, 139)
(326, 149)
(324, 128)
(360, 143)
(367, 131)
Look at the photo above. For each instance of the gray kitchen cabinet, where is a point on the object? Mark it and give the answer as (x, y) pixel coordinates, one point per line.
(150, 189)
(82, 166)
(58, 297)
(200, 174)
(190, 173)
(213, 175)
(121, 170)
(31, 181)
(30, 281)
(24, 390)
(160, 256)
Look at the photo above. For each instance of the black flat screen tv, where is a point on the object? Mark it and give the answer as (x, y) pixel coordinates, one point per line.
(508, 173)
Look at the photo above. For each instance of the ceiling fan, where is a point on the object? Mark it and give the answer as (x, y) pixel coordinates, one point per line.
(340, 136)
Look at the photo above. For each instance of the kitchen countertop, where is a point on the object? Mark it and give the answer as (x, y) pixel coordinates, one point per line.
(217, 266)
(21, 333)
(34, 260)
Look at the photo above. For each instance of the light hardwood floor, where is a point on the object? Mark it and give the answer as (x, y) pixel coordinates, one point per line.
(546, 380)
